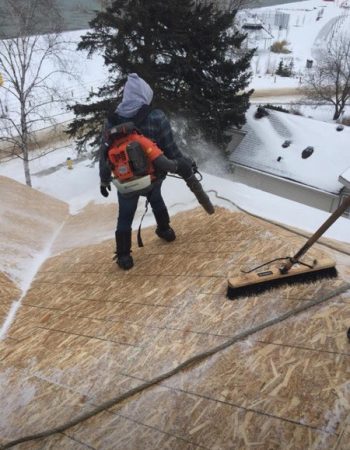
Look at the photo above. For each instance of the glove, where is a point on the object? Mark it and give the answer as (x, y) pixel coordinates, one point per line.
(104, 189)
(184, 167)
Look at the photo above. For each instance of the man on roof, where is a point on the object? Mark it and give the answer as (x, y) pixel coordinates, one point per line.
(153, 124)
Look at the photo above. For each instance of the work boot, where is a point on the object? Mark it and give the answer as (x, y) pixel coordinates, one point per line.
(164, 230)
(122, 254)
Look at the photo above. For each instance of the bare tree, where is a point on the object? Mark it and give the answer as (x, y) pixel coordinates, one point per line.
(328, 83)
(31, 64)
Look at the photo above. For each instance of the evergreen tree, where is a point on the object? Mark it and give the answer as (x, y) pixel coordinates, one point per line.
(284, 71)
(280, 69)
(291, 67)
(189, 53)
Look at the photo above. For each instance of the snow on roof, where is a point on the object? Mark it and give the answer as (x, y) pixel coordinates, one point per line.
(262, 150)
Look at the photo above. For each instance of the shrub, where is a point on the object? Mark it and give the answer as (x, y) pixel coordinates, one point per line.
(275, 108)
(280, 47)
(260, 112)
(346, 120)
(296, 111)
(283, 70)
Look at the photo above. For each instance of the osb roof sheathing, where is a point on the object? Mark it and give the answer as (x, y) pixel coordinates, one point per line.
(29, 219)
(9, 293)
(158, 358)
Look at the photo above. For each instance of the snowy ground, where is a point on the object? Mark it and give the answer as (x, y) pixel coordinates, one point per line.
(79, 186)
(304, 35)
(295, 104)
(310, 25)
(85, 75)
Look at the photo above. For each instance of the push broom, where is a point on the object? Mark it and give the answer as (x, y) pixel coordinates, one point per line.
(293, 270)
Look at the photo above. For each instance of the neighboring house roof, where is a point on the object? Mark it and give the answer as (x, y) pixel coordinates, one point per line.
(254, 34)
(262, 150)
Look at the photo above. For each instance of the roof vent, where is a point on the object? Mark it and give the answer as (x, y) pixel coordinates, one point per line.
(286, 143)
(307, 152)
(340, 128)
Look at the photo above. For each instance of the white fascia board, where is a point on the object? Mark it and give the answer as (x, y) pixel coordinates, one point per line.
(286, 180)
(344, 178)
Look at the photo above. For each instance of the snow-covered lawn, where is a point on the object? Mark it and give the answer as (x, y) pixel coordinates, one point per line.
(310, 24)
(79, 186)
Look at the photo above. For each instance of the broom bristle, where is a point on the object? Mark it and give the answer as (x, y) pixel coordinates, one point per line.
(260, 286)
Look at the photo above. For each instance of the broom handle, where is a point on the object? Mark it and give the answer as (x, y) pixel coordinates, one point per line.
(324, 227)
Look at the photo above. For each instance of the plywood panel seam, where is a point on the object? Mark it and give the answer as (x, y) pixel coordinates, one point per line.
(154, 327)
(158, 429)
(48, 308)
(129, 303)
(130, 276)
(77, 441)
(46, 379)
(89, 337)
(300, 347)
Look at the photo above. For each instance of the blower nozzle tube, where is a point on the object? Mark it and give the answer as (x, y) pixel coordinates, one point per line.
(195, 186)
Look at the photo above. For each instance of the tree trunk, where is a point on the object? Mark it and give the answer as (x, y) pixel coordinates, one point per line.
(337, 113)
(27, 171)
(25, 150)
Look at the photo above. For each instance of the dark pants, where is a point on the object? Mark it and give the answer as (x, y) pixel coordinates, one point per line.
(128, 206)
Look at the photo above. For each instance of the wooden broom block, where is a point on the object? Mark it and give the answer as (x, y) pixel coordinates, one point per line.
(273, 273)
